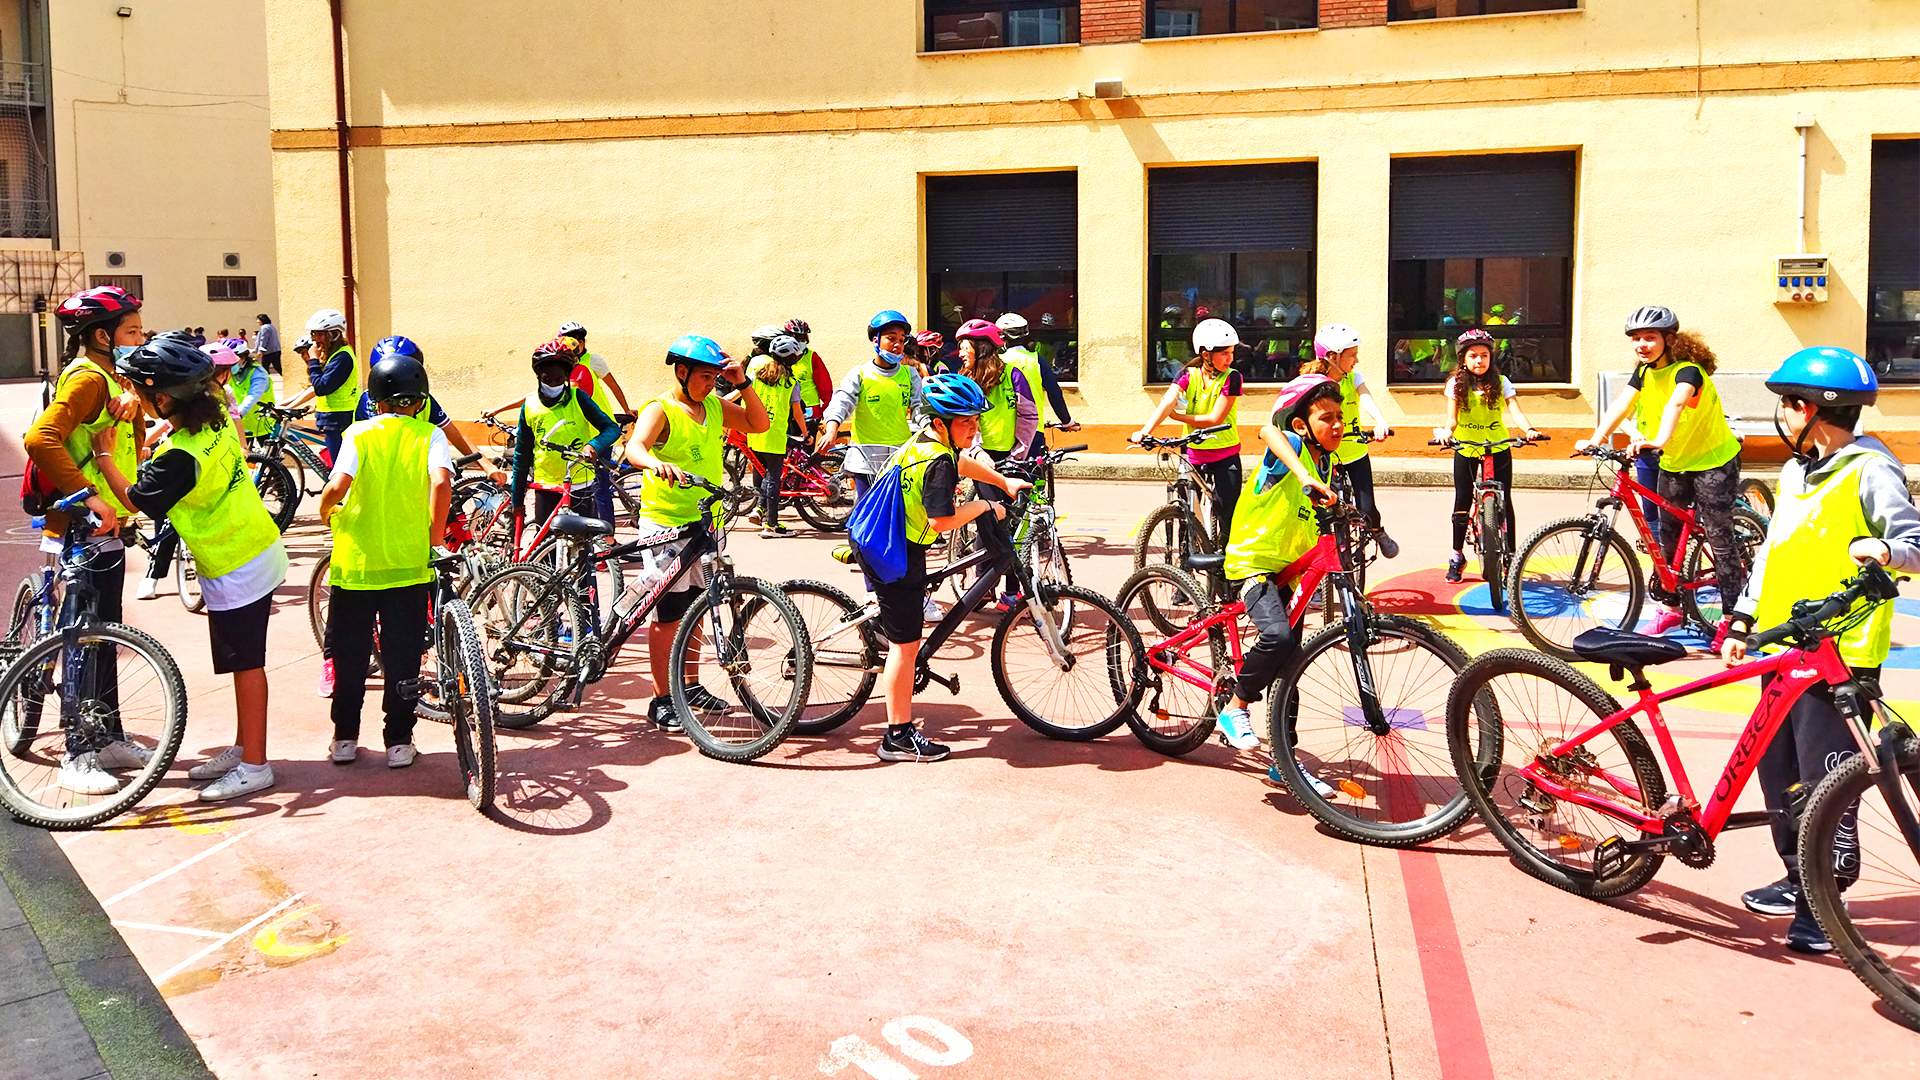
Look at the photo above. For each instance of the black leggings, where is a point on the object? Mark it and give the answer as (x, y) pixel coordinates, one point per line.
(1466, 473)
(106, 571)
(1267, 607)
(1224, 475)
(402, 615)
(1360, 472)
(1710, 492)
(1806, 748)
(772, 461)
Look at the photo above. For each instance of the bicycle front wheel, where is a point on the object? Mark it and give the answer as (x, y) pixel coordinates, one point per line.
(1168, 535)
(469, 700)
(528, 616)
(1175, 715)
(277, 489)
(186, 578)
(756, 648)
(846, 657)
(1374, 770)
(1493, 552)
(92, 688)
(1566, 579)
(1069, 666)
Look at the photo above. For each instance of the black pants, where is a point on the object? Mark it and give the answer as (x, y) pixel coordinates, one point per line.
(1360, 472)
(1267, 607)
(1224, 475)
(1808, 746)
(773, 461)
(403, 635)
(271, 361)
(1466, 473)
(1710, 492)
(996, 535)
(166, 545)
(106, 572)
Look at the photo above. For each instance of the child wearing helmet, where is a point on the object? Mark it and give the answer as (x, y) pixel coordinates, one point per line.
(394, 346)
(1479, 398)
(333, 378)
(1033, 359)
(1207, 393)
(775, 385)
(931, 466)
(1008, 424)
(197, 482)
(1678, 415)
(251, 385)
(557, 414)
(677, 435)
(1273, 526)
(1336, 350)
(166, 545)
(1842, 500)
(386, 502)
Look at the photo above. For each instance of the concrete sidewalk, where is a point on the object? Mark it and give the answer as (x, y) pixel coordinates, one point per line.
(1562, 474)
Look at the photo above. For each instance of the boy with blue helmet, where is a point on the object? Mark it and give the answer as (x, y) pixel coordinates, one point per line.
(1842, 500)
(388, 348)
(931, 466)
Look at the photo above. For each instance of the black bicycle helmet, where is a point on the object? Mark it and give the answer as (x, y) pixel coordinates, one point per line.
(168, 364)
(1653, 317)
(397, 376)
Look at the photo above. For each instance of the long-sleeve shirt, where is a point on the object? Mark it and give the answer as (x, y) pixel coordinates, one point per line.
(1026, 414)
(327, 376)
(77, 398)
(266, 339)
(606, 433)
(258, 384)
(867, 458)
(1055, 398)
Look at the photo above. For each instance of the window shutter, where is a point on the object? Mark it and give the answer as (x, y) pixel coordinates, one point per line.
(1232, 208)
(1893, 249)
(1493, 206)
(1022, 221)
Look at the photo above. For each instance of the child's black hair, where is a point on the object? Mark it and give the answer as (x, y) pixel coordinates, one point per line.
(198, 409)
(1326, 391)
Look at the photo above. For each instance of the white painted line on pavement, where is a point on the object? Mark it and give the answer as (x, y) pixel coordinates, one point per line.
(176, 868)
(216, 946)
(190, 931)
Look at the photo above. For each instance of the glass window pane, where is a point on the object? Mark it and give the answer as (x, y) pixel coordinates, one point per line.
(967, 30)
(1896, 305)
(1181, 18)
(1191, 287)
(1894, 352)
(1251, 16)
(1273, 289)
(1043, 26)
(1266, 357)
(1044, 297)
(964, 295)
(1447, 9)
(1532, 359)
(1525, 291)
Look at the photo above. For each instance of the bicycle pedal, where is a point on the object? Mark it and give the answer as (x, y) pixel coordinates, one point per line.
(1608, 858)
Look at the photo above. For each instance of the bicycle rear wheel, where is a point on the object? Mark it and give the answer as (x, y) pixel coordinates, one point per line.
(1394, 787)
(755, 640)
(828, 512)
(1861, 879)
(1524, 705)
(469, 700)
(1168, 535)
(1566, 580)
(1704, 603)
(1175, 716)
(277, 489)
(96, 684)
(19, 725)
(527, 615)
(186, 579)
(1091, 687)
(846, 659)
(1493, 552)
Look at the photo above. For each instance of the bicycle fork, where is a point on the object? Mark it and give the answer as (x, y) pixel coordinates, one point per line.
(1884, 759)
(1358, 638)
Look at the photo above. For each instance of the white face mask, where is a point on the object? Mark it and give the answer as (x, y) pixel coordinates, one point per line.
(551, 394)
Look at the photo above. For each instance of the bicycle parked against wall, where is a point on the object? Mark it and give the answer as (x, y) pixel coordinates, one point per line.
(1487, 530)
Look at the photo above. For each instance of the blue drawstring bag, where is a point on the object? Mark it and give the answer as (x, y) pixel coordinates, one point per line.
(877, 528)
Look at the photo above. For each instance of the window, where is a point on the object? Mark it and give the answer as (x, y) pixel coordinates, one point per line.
(232, 288)
(1007, 243)
(1893, 262)
(1185, 18)
(1487, 242)
(995, 24)
(1233, 242)
(1399, 10)
(130, 282)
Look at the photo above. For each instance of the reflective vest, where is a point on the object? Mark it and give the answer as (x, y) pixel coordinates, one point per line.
(348, 393)
(254, 420)
(693, 446)
(562, 424)
(1203, 393)
(596, 388)
(883, 415)
(1274, 521)
(1479, 420)
(1807, 544)
(1350, 450)
(998, 423)
(221, 520)
(777, 396)
(382, 533)
(1027, 363)
(914, 462)
(1701, 439)
(803, 379)
(126, 452)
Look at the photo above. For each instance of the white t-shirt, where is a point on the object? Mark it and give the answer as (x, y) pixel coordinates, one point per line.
(439, 453)
(252, 580)
(598, 365)
(1507, 392)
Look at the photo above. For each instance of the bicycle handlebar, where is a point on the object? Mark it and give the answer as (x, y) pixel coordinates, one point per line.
(1605, 453)
(1489, 444)
(1150, 442)
(1807, 624)
(465, 460)
(287, 414)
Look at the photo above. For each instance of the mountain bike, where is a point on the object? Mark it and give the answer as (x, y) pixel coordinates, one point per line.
(301, 451)
(456, 683)
(811, 482)
(1063, 658)
(545, 640)
(1185, 523)
(1579, 799)
(1354, 719)
(1579, 572)
(73, 680)
(1487, 524)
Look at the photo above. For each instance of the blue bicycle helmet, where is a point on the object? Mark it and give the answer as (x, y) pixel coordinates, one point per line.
(885, 319)
(950, 395)
(393, 346)
(696, 351)
(1824, 375)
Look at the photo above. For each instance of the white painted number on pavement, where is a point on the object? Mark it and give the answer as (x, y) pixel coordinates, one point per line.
(922, 1038)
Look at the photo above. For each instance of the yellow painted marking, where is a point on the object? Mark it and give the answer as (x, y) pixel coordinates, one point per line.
(268, 942)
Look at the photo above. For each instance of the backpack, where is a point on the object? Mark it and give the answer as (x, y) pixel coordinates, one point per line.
(877, 528)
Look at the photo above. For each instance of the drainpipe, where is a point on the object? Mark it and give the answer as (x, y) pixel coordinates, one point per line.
(342, 153)
(1803, 123)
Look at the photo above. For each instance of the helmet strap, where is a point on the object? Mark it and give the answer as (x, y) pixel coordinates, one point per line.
(1797, 446)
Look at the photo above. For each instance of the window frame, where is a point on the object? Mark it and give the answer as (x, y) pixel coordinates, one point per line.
(138, 289)
(1884, 329)
(930, 8)
(1399, 5)
(1233, 12)
(1183, 334)
(253, 288)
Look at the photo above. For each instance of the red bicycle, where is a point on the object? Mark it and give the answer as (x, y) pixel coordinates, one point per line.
(1578, 797)
(1487, 530)
(812, 483)
(1355, 721)
(1578, 573)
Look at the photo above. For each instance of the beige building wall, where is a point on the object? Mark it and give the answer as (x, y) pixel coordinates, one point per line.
(712, 166)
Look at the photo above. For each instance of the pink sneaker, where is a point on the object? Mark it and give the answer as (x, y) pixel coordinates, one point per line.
(326, 678)
(1720, 631)
(1666, 621)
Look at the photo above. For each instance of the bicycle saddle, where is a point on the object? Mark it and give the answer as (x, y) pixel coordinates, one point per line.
(579, 525)
(1202, 563)
(1624, 648)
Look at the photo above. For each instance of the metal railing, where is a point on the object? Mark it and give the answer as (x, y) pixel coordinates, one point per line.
(23, 82)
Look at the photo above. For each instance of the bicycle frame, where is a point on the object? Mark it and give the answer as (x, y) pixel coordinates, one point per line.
(1628, 492)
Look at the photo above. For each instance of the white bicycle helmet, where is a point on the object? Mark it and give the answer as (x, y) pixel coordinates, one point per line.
(1334, 338)
(572, 329)
(326, 319)
(785, 347)
(1013, 326)
(1214, 334)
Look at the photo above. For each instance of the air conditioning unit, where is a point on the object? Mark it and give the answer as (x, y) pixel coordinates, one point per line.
(116, 259)
(231, 260)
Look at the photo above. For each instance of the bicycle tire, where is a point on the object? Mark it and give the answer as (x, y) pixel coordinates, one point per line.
(23, 629)
(275, 485)
(41, 655)
(552, 665)
(1178, 727)
(1283, 725)
(1537, 613)
(1045, 558)
(296, 468)
(319, 600)
(609, 574)
(186, 581)
(1159, 538)
(1749, 531)
(1122, 652)
(742, 486)
(1471, 705)
(1820, 823)
(796, 668)
(1493, 552)
(832, 701)
(470, 707)
(1759, 495)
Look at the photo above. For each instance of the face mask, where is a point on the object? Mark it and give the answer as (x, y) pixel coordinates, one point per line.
(884, 358)
(121, 352)
(552, 394)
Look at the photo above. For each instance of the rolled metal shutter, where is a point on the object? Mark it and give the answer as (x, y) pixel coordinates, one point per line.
(1232, 208)
(1893, 242)
(1490, 206)
(1020, 221)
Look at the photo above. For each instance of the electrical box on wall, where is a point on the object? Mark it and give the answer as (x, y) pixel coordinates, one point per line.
(1801, 279)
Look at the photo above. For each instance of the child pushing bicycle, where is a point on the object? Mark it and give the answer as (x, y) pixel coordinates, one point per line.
(1479, 398)
(1207, 394)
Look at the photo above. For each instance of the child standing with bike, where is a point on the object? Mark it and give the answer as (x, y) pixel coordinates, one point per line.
(1678, 413)
(1478, 399)
(197, 482)
(775, 385)
(679, 435)
(1007, 426)
(1274, 525)
(1336, 350)
(386, 502)
(1842, 500)
(1207, 394)
(557, 414)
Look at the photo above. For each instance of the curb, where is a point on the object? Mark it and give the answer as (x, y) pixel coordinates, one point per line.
(1437, 472)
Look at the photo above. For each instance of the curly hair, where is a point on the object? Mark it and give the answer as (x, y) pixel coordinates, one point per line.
(1685, 346)
(1462, 382)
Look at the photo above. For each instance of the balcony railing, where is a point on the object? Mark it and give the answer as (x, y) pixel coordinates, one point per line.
(23, 82)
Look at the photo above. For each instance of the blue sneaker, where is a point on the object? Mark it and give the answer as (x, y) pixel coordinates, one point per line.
(1236, 729)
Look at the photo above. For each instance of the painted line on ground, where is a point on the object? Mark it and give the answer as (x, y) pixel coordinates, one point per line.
(1459, 1037)
(190, 931)
(216, 946)
(176, 868)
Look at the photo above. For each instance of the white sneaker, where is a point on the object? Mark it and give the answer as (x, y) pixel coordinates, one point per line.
(242, 779)
(216, 766)
(342, 751)
(82, 774)
(146, 589)
(124, 754)
(933, 610)
(399, 757)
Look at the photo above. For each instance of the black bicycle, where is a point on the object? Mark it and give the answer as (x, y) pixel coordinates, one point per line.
(1185, 523)
(456, 685)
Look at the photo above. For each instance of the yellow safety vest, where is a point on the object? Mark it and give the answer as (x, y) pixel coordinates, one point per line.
(882, 416)
(1350, 450)
(382, 534)
(1027, 363)
(914, 462)
(1203, 393)
(803, 379)
(999, 423)
(777, 396)
(1701, 439)
(1479, 420)
(1274, 521)
(562, 424)
(126, 451)
(694, 447)
(1807, 544)
(347, 395)
(597, 390)
(221, 520)
(254, 420)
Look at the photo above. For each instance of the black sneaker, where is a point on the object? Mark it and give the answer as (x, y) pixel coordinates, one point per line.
(910, 744)
(1456, 565)
(1778, 898)
(1388, 548)
(664, 716)
(1804, 934)
(703, 701)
